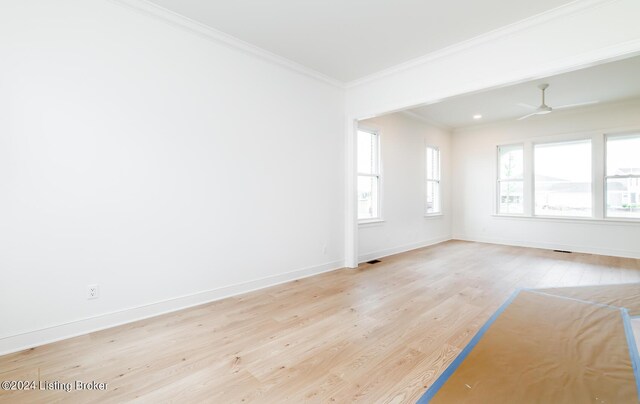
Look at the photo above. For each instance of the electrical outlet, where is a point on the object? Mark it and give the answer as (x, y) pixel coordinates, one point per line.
(93, 292)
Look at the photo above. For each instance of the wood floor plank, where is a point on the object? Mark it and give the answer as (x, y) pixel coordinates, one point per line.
(381, 333)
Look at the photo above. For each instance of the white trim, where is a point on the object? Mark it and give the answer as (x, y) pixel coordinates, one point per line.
(566, 9)
(529, 180)
(374, 255)
(178, 20)
(597, 176)
(370, 222)
(351, 193)
(438, 215)
(574, 219)
(46, 335)
(551, 246)
(426, 120)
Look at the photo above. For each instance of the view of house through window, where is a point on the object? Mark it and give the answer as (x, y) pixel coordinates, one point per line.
(433, 181)
(511, 179)
(563, 179)
(368, 175)
(622, 182)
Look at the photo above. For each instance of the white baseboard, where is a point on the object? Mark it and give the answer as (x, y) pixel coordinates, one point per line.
(374, 255)
(30, 339)
(551, 246)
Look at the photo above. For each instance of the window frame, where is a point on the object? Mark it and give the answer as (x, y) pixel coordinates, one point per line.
(500, 180)
(377, 175)
(605, 176)
(598, 154)
(561, 140)
(437, 181)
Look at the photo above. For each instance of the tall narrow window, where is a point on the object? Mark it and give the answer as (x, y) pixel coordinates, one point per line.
(368, 175)
(433, 181)
(563, 179)
(511, 179)
(622, 181)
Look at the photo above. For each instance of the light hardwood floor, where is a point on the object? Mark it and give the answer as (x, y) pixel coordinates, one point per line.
(381, 333)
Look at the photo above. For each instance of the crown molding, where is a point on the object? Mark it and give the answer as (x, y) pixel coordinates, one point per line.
(177, 20)
(538, 19)
(426, 120)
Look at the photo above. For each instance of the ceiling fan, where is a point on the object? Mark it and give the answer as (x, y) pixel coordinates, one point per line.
(545, 109)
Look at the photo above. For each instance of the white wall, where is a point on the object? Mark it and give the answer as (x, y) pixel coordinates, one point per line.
(474, 157)
(403, 139)
(156, 163)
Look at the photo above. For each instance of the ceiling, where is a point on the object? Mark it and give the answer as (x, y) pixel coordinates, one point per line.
(609, 82)
(350, 39)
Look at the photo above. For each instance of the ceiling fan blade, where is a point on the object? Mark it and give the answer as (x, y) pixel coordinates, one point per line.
(528, 106)
(527, 116)
(580, 104)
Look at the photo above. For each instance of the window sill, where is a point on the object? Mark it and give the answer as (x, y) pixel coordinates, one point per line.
(433, 215)
(566, 219)
(370, 222)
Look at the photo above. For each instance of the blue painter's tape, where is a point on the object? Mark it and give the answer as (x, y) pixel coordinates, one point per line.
(633, 349)
(607, 306)
(433, 389)
(591, 285)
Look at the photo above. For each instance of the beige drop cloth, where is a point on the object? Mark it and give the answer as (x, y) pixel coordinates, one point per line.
(549, 349)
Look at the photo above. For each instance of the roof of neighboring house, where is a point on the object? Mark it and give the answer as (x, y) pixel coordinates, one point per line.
(628, 171)
(616, 186)
(574, 187)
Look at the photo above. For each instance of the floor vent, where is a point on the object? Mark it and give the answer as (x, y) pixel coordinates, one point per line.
(562, 251)
(373, 261)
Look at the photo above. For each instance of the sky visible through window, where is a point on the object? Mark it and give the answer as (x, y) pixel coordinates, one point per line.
(623, 153)
(569, 161)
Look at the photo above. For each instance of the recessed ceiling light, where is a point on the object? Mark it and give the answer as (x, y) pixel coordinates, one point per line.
(477, 116)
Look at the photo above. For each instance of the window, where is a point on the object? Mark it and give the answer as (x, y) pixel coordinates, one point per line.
(563, 178)
(433, 181)
(368, 175)
(622, 177)
(511, 179)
